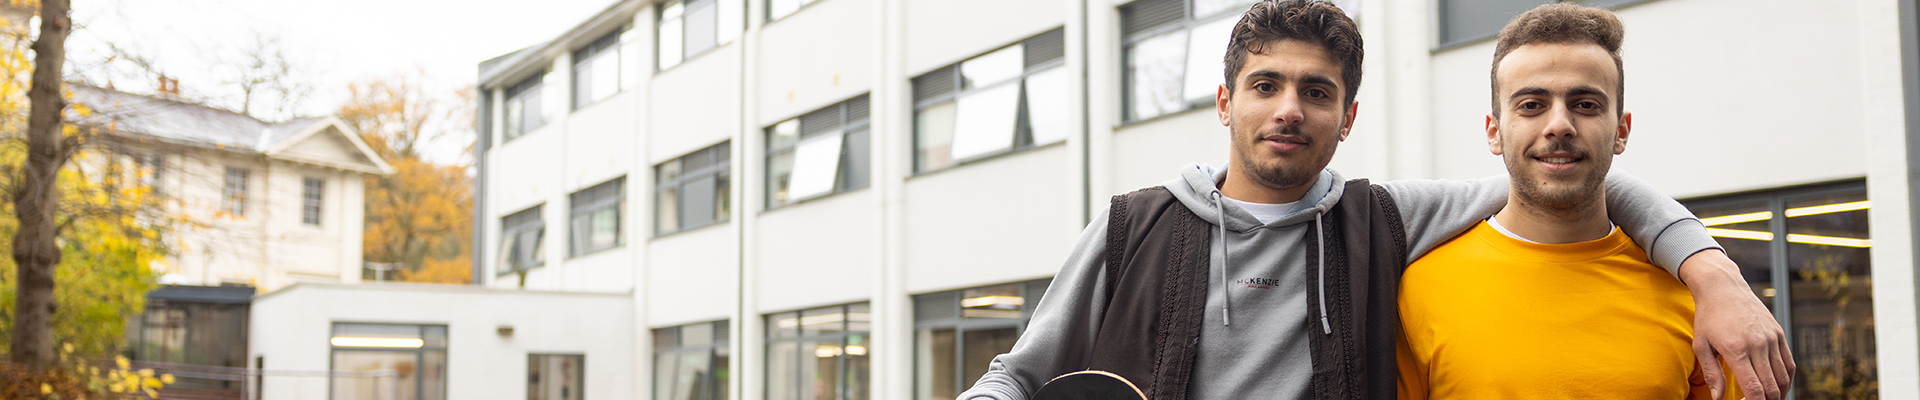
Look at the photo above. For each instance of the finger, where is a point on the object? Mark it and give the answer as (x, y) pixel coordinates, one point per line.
(1786, 354)
(1781, 376)
(1742, 368)
(1762, 360)
(1709, 366)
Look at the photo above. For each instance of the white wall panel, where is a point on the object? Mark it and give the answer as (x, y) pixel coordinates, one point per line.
(694, 105)
(816, 252)
(814, 58)
(1148, 153)
(689, 276)
(941, 32)
(290, 328)
(1000, 220)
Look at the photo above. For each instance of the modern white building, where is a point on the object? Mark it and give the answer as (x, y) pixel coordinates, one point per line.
(813, 199)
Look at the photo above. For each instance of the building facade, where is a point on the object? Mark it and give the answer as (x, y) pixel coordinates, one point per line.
(811, 198)
(259, 204)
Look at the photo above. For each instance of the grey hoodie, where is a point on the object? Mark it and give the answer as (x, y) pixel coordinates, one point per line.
(1253, 342)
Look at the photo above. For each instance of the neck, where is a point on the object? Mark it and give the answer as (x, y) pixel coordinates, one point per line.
(1529, 220)
(1242, 187)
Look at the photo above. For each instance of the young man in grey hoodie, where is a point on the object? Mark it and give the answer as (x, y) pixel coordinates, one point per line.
(1276, 277)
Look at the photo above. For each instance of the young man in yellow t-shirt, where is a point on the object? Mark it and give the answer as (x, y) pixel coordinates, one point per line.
(1548, 299)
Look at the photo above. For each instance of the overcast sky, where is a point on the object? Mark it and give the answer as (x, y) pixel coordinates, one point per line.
(338, 41)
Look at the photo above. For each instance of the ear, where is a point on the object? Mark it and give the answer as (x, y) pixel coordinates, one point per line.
(1223, 103)
(1493, 134)
(1346, 128)
(1620, 138)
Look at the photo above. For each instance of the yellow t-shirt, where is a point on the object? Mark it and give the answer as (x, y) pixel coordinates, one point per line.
(1487, 316)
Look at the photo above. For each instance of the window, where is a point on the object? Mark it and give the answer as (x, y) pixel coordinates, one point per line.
(818, 354)
(525, 109)
(522, 238)
(234, 194)
(690, 362)
(817, 154)
(311, 190)
(596, 216)
(1467, 21)
(1806, 252)
(957, 333)
(1174, 52)
(1008, 99)
(151, 168)
(688, 28)
(389, 361)
(694, 190)
(556, 376)
(600, 68)
(777, 9)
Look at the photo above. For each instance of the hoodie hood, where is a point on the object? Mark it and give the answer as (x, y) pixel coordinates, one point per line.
(1198, 184)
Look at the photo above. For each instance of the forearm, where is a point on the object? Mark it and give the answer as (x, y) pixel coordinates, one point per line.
(1663, 227)
(1059, 337)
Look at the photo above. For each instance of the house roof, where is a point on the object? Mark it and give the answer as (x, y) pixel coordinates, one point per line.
(202, 126)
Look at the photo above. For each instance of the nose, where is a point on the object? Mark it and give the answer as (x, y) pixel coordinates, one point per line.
(1560, 123)
(1289, 112)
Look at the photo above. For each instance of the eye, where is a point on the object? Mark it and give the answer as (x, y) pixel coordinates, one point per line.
(1316, 93)
(1587, 105)
(1263, 87)
(1531, 106)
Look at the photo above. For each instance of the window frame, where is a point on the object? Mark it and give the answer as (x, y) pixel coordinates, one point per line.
(720, 167)
(848, 124)
(1778, 202)
(1442, 42)
(611, 44)
(720, 344)
(532, 89)
(847, 338)
(312, 199)
(802, 5)
(721, 35)
(234, 192)
(1128, 41)
(583, 204)
(1030, 291)
(530, 221)
(429, 344)
(1023, 139)
(579, 379)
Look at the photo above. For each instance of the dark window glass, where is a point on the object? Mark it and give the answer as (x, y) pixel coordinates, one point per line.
(311, 192)
(1807, 252)
(522, 240)
(382, 361)
(818, 154)
(690, 362)
(1006, 100)
(959, 332)
(596, 217)
(556, 376)
(819, 354)
(693, 191)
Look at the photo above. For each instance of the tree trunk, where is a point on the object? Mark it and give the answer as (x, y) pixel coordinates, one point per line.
(35, 253)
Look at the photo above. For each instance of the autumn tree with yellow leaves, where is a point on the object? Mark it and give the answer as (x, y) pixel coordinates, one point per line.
(421, 215)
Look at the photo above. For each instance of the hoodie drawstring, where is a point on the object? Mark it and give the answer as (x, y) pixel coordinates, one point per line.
(1322, 241)
(1226, 261)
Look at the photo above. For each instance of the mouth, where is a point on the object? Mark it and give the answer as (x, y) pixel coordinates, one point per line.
(1559, 161)
(1285, 142)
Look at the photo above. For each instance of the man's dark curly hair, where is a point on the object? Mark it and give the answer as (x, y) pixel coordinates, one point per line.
(1312, 21)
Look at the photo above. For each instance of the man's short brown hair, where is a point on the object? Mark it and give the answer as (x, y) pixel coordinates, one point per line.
(1563, 23)
(1312, 21)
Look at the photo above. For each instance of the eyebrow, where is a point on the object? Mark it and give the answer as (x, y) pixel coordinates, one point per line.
(1309, 79)
(1582, 90)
